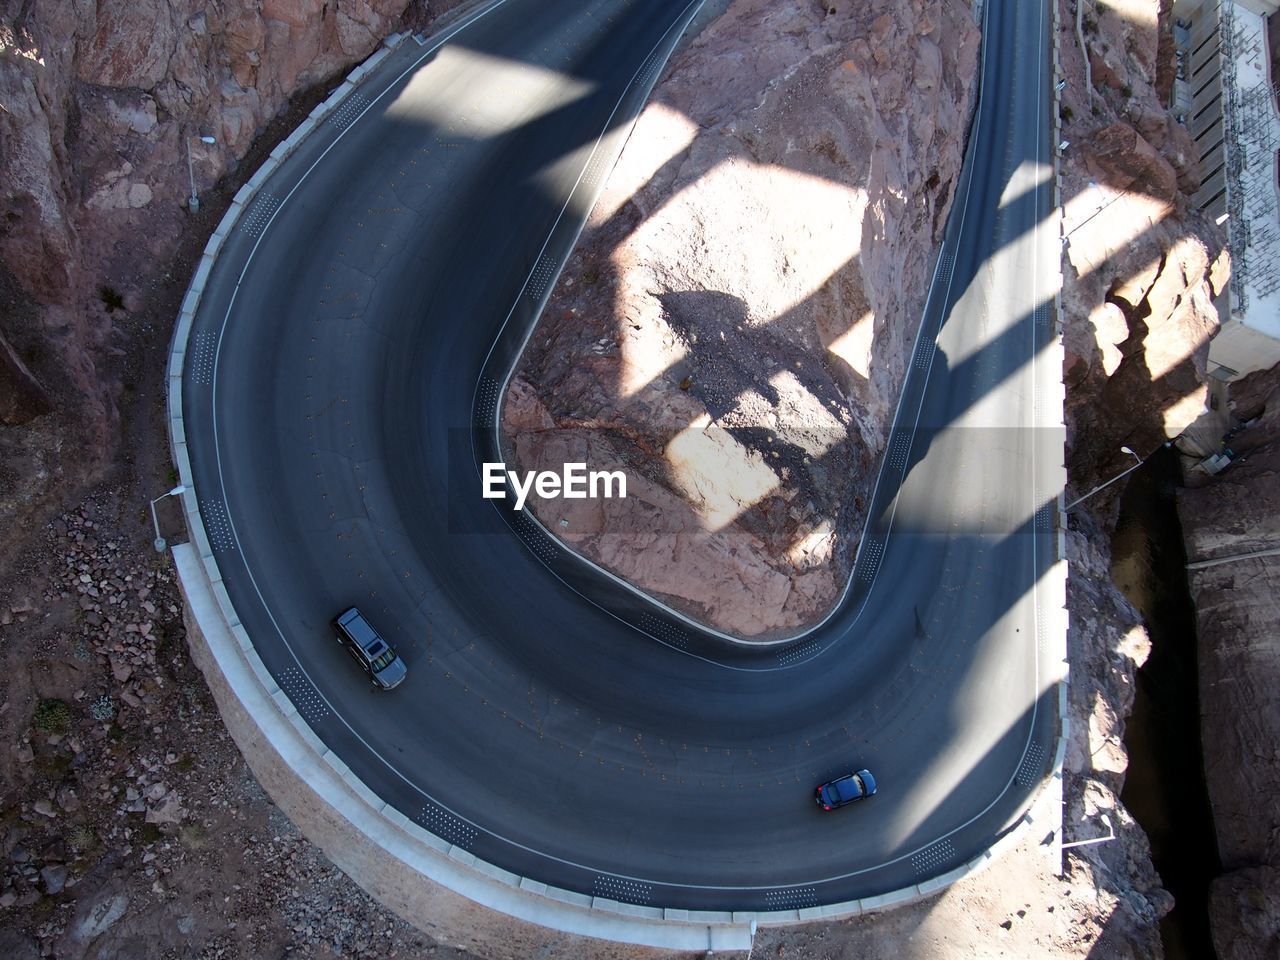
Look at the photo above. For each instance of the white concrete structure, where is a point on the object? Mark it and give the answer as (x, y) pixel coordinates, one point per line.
(1227, 96)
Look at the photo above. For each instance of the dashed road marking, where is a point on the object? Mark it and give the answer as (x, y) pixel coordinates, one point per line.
(542, 546)
(487, 401)
(792, 898)
(446, 826)
(930, 858)
(1032, 766)
(869, 562)
(662, 630)
(621, 889)
(303, 695)
(217, 524)
(259, 214)
(800, 653)
(202, 357)
(350, 109)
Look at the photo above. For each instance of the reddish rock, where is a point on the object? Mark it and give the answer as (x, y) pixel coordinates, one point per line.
(1238, 625)
(735, 326)
(1118, 156)
(22, 398)
(1244, 907)
(100, 99)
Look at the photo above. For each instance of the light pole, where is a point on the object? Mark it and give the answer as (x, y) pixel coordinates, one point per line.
(159, 542)
(193, 202)
(1123, 473)
(1093, 184)
(1111, 835)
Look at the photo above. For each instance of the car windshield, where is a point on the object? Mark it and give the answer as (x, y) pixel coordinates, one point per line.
(381, 662)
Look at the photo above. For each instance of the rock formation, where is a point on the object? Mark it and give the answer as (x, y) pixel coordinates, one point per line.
(735, 326)
(1142, 268)
(1238, 614)
(22, 398)
(101, 101)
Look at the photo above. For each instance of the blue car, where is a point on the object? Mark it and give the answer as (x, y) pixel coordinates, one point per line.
(846, 789)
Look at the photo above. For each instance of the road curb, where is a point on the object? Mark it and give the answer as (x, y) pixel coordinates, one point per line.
(1057, 578)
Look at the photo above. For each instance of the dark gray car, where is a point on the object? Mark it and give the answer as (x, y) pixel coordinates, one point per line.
(376, 657)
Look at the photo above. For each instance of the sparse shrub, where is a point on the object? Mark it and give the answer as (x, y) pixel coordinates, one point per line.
(82, 837)
(111, 299)
(102, 709)
(52, 716)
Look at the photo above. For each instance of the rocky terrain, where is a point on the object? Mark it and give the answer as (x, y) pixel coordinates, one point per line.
(1142, 267)
(1237, 605)
(735, 324)
(102, 102)
(130, 825)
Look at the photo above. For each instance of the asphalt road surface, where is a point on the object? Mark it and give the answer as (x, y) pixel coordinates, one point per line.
(340, 388)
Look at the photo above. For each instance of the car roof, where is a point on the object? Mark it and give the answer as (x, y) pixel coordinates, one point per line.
(360, 630)
(848, 787)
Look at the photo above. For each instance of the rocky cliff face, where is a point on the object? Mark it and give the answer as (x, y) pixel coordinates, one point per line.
(733, 330)
(1238, 613)
(100, 103)
(1142, 268)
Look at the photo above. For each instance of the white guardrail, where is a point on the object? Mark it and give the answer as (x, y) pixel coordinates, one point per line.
(420, 875)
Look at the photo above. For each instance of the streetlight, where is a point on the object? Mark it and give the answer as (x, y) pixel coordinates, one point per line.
(193, 202)
(1123, 473)
(159, 542)
(1093, 185)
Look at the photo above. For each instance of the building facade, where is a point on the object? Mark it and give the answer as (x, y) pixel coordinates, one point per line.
(1226, 94)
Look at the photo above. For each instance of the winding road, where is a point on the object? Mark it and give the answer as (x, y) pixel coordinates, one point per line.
(341, 384)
